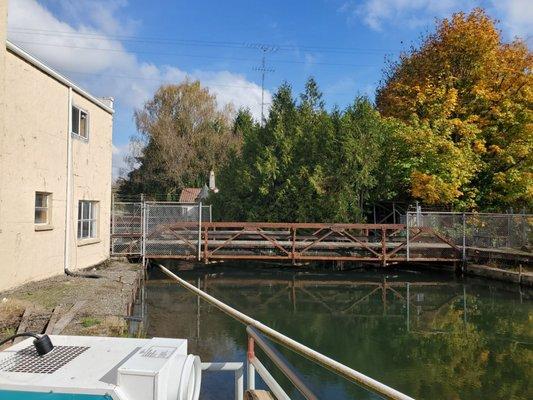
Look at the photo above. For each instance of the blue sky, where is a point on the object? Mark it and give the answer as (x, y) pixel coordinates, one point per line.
(126, 49)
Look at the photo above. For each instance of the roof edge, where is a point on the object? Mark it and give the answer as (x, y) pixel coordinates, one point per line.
(46, 69)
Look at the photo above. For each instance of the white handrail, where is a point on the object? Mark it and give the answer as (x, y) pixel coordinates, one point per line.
(341, 369)
(237, 367)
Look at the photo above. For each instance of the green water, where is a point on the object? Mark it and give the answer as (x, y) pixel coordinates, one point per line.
(457, 339)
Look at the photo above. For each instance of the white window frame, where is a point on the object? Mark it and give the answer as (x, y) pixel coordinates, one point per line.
(47, 208)
(91, 221)
(87, 125)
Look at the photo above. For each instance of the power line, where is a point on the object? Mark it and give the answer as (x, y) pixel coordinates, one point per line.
(197, 42)
(191, 55)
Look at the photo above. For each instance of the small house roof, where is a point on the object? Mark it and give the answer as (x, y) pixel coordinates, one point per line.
(190, 195)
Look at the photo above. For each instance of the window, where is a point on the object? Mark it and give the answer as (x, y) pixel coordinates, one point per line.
(80, 122)
(43, 204)
(87, 219)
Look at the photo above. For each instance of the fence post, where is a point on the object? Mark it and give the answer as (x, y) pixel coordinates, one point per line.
(113, 223)
(407, 233)
(144, 218)
(199, 231)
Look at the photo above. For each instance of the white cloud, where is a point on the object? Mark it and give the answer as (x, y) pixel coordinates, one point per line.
(73, 48)
(120, 167)
(410, 13)
(516, 17)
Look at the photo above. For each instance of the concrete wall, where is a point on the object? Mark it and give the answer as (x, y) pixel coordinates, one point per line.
(33, 157)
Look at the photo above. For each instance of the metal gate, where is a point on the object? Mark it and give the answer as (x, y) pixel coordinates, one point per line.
(126, 228)
(146, 228)
(162, 237)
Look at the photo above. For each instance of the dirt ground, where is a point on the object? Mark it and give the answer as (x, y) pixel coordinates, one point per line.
(106, 301)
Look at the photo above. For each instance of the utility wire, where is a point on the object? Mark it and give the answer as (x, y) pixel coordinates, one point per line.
(197, 42)
(191, 55)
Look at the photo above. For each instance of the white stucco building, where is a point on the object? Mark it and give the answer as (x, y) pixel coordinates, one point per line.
(55, 170)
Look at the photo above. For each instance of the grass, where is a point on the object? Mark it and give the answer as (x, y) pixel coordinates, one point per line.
(4, 333)
(87, 322)
(11, 309)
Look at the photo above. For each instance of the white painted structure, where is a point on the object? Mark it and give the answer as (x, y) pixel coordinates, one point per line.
(124, 369)
(55, 169)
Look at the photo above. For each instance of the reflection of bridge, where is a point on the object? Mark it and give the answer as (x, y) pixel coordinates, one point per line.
(415, 302)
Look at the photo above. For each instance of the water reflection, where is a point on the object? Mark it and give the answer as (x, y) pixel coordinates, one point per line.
(430, 336)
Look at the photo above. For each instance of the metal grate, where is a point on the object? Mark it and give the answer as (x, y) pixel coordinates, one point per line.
(28, 361)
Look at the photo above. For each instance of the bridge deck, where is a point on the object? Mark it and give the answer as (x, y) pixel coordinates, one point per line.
(298, 242)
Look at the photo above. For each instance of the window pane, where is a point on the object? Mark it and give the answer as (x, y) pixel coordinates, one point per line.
(79, 229)
(86, 214)
(93, 228)
(85, 229)
(41, 216)
(80, 206)
(84, 124)
(40, 200)
(75, 120)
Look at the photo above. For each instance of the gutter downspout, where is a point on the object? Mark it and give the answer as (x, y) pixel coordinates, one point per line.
(68, 207)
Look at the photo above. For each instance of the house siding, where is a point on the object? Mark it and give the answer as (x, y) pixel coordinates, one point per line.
(33, 157)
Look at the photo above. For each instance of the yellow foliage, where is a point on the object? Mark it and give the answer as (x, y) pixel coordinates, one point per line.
(464, 78)
(432, 189)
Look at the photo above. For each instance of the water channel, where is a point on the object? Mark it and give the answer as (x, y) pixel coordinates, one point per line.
(455, 339)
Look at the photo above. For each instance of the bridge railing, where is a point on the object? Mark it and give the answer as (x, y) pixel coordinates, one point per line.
(298, 242)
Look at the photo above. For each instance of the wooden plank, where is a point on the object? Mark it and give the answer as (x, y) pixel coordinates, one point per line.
(54, 318)
(65, 319)
(258, 395)
(24, 323)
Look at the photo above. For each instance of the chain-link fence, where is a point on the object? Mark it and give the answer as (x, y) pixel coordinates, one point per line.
(126, 228)
(173, 229)
(479, 232)
(132, 222)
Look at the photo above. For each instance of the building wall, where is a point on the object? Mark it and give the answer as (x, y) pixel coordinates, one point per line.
(92, 181)
(33, 157)
(3, 27)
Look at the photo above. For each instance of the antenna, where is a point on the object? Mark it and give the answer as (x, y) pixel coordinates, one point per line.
(265, 48)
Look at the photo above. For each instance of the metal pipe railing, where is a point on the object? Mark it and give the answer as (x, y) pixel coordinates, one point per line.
(272, 384)
(280, 362)
(313, 355)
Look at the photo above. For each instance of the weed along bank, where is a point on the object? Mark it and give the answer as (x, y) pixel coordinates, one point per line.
(55, 163)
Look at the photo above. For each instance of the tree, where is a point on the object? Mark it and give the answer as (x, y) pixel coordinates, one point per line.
(308, 165)
(468, 95)
(183, 135)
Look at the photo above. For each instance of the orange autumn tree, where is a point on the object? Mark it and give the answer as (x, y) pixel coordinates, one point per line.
(467, 97)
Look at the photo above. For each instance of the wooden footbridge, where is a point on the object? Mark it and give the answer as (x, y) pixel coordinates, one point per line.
(299, 242)
(182, 232)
